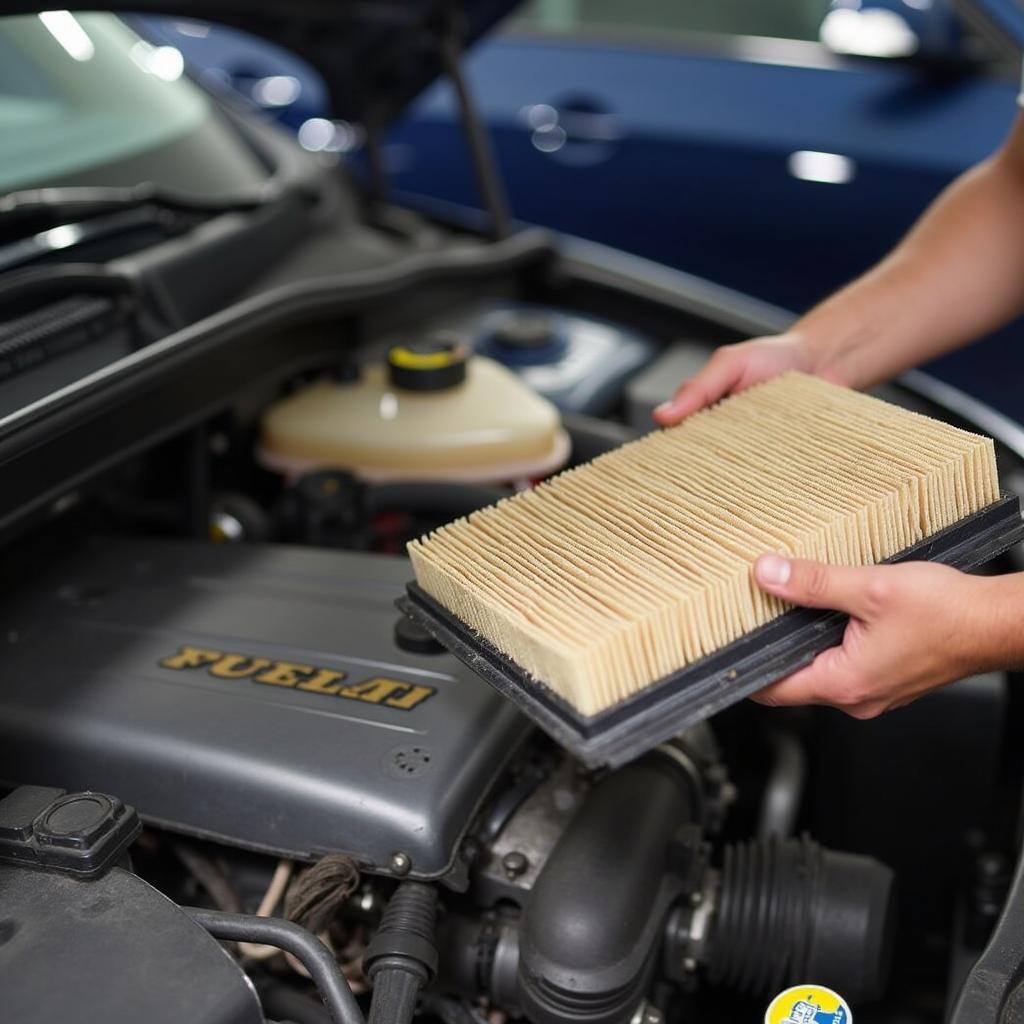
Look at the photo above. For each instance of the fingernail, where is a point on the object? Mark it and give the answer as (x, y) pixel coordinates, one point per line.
(773, 570)
(664, 407)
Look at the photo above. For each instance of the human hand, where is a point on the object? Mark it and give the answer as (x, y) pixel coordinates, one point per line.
(734, 368)
(913, 627)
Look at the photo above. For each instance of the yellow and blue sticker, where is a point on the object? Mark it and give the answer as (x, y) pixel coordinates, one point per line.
(808, 1004)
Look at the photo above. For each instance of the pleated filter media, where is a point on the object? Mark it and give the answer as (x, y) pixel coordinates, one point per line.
(619, 572)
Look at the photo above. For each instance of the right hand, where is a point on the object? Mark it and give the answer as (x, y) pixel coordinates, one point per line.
(734, 368)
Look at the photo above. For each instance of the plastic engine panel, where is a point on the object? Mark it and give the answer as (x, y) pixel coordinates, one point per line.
(254, 695)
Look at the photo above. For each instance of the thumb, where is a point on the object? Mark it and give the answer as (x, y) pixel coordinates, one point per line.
(814, 584)
(715, 380)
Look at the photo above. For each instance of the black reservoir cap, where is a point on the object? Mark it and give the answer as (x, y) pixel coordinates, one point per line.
(79, 833)
(434, 363)
(521, 329)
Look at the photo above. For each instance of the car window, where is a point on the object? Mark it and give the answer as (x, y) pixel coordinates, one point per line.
(84, 100)
(784, 19)
(936, 29)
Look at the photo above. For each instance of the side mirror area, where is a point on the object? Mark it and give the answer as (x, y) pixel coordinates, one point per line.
(920, 30)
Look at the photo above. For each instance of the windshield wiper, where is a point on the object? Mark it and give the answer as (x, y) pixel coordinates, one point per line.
(36, 223)
(87, 201)
(40, 244)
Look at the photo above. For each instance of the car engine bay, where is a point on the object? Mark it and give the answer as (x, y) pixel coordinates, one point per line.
(241, 678)
(215, 724)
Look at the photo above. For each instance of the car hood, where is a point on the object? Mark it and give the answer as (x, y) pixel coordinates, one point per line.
(374, 55)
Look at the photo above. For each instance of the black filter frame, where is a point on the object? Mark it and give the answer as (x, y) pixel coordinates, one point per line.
(673, 704)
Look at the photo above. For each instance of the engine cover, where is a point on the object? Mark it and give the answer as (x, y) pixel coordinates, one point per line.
(253, 695)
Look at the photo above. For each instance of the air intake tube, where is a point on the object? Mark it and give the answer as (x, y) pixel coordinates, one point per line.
(595, 917)
(791, 911)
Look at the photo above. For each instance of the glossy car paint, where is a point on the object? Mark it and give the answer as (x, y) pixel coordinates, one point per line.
(702, 152)
(687, 158)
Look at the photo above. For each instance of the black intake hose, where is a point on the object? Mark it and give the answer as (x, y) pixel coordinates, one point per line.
(594, 919)
(791, 912)
(402, 955)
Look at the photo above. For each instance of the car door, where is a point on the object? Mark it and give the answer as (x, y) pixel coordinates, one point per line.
(718, 136)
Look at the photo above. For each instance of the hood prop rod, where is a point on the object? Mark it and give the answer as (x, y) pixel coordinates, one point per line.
(492, 189)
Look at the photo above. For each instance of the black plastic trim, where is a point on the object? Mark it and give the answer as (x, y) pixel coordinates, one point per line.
(49, 448)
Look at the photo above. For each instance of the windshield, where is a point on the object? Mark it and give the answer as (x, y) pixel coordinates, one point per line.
(85, 101)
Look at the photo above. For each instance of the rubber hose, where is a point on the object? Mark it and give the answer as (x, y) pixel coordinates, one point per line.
(594, 919)
(285, 1003)
(791, 910)
(395, 992)
(402, 955)
(302, 944)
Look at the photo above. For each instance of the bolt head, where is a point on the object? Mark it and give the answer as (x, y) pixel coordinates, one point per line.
(515, 863)
(400, 863)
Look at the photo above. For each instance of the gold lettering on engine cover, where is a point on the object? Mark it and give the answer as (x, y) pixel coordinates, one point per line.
(384, 692)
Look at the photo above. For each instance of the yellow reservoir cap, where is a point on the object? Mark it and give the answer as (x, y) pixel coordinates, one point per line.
(410, 360)
(434, 363)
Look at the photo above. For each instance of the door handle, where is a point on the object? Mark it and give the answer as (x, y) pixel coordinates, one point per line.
(580, 130)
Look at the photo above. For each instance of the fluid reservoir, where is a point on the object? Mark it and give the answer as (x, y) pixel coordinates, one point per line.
(431, 411)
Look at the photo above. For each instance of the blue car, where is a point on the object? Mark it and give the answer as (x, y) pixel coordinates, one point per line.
(720, 136)
(777, 147)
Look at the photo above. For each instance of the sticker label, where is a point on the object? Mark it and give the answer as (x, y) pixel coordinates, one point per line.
(808, 1004)
(379, 690)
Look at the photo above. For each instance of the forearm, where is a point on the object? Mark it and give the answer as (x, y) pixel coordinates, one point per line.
(958, 274)
(993, 636)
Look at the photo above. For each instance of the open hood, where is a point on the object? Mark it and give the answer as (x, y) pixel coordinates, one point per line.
(375, 55)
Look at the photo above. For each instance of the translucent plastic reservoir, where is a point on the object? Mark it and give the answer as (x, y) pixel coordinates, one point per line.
(489, 427)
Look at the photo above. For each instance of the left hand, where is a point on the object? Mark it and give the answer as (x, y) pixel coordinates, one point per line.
(912, 628)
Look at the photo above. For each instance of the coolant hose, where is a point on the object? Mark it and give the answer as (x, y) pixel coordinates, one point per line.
(294, 939)
(402, 955)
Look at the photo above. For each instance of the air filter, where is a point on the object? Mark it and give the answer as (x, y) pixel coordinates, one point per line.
(616, 604)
